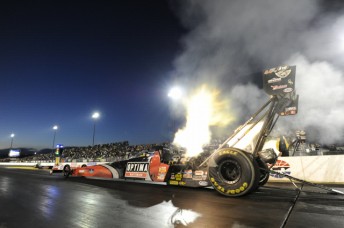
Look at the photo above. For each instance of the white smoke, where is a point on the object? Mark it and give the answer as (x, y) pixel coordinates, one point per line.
(233, 36)
(229, 41)
(321, 105)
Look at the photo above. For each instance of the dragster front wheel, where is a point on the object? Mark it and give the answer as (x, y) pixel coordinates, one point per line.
(66, 171)
(233, 172)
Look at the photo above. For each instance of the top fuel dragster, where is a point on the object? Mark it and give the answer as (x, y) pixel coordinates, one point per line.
(230, 170)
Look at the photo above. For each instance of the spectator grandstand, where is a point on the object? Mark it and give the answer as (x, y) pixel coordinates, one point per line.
(109, 152)
(102, 152)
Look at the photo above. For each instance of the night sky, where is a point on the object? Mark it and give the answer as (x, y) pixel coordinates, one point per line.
(60, 61)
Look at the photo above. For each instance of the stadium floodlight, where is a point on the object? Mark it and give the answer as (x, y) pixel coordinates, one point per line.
(12, 136)
(95, 116)
(55, 127)
(175, 93)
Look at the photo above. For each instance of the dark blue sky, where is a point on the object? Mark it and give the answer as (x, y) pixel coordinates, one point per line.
(62, 60)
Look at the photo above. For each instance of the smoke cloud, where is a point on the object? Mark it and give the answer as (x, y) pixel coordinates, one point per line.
(230, 41)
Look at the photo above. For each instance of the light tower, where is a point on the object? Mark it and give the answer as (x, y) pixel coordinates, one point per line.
(55, 128)
(95, 116)
(12, 138)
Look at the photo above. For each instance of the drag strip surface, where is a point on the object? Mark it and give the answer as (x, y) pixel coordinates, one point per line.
(33, 198)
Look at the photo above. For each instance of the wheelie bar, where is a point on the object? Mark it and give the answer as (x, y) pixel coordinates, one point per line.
(307, 182)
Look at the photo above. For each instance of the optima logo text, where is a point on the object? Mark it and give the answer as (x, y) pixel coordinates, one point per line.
(137, 167)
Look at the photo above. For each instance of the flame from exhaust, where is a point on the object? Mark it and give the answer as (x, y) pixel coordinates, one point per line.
(204, 109)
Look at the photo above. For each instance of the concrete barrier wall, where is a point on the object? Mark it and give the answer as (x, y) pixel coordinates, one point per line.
(46, 164)
(319, 169)
(29, 164)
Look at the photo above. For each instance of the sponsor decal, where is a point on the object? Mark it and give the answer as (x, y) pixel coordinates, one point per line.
(182, 183)
(282, 167)
(161, 176)
(197, 177)
(290, 109)
(137, 169)
(136, 174)
(178, 176)
(81, 171)
(277, 87)
(288, 90)
(199, 172)
(187, 173)
(281, 71)
(273, 80)
(203, 183)
(172, 176)
(162, 169)
(173, 182)
(269, 71)
(91, 170)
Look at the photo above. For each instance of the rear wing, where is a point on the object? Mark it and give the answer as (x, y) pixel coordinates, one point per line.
(280, 82)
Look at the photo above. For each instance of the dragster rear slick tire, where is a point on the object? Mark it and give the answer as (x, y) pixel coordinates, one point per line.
(233, 172)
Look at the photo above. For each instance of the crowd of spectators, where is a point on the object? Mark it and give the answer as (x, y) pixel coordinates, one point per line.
(50, 157)
(102, 152)
(107, 152)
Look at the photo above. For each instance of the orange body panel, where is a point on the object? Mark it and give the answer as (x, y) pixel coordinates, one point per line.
(93, 171)
(157, 170)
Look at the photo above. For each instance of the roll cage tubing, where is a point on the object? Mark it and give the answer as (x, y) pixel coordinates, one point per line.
(268, 125)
